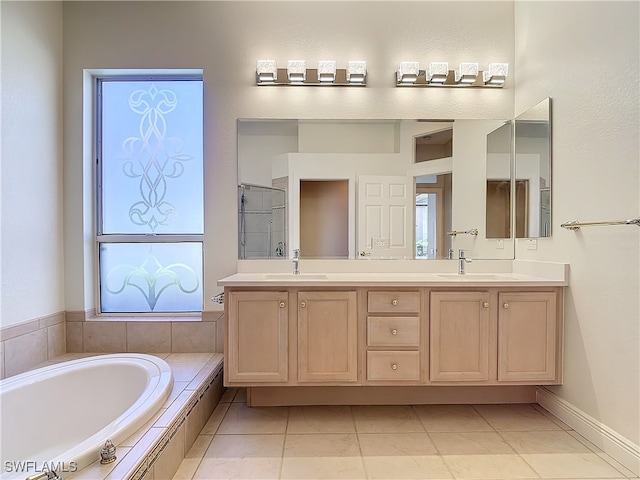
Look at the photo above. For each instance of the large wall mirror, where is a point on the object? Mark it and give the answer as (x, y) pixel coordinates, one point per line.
(533, 171)
(370, 189)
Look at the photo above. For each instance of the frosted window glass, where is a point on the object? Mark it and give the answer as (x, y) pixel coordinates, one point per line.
(152, 166)
(151, 277)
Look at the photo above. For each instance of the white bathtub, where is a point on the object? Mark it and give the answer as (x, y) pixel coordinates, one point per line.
(60, 416)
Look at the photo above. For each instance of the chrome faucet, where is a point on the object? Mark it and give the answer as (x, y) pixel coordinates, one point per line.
(462, 260)
(296, 261)
(46, 475)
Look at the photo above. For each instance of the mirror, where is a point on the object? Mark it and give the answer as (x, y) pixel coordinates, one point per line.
(533, 171)
(366, 189)
(498, 192)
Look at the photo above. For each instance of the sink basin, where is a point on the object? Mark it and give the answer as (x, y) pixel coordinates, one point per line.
(473, 277)
(291, 276)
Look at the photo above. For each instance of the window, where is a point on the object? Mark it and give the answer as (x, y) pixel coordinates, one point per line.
(150, 194)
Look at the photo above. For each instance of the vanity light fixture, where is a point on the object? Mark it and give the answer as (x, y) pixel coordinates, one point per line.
(496, 74)
(439, 75)
(297, 73)
(296, 70)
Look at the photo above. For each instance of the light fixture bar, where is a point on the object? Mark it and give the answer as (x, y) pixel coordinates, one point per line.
(468, 75)
(297, 74)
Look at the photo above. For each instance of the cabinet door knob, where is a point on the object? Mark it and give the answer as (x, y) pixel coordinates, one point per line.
(282, 304)
(394, 302)
(485, 304)
(505, 305)
(303, 304)
(394, 366)
(394, 331)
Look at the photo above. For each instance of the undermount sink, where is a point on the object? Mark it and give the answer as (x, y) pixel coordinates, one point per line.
(473, 276)
(291, 276)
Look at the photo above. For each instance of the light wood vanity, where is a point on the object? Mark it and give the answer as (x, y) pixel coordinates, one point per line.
(360, 332)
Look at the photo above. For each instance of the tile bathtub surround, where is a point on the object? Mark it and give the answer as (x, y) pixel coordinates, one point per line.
(26, 345)
(157, 449)
(498, 442)
(122, 334)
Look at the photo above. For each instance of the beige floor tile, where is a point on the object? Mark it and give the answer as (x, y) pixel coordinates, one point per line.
(229, 393)
(241, 396)
(317, 468)
(242, 456)
(386, 419)
(406, 467)
(187, 469)
(321, 419)
(570, 465)
(551, 417)
(451, 418)
(520, 417)
(544, 442)
(396, 444)
(214, 421)
(470, 443)
(199, 447)
(322, 445)
(507, 467)
(242, 419)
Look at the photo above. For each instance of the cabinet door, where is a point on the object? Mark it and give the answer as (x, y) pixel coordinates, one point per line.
(527, 332)
(257, 337)
(459, 336)
(327, 337)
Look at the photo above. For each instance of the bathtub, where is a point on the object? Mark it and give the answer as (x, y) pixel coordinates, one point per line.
(58, 417)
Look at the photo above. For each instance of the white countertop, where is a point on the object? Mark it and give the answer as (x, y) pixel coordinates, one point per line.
(370, 279)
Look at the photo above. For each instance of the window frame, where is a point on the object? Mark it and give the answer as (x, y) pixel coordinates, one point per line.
(100, 236)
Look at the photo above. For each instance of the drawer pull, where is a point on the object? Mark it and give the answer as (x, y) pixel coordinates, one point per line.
(394, 366)
(394, 331)
(282, 304)
(303, 304)
(394, 302)
(485, 304)
(506, 305)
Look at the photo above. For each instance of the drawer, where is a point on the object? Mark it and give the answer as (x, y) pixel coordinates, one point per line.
(389, 365)
(393, 302)
(393, 331)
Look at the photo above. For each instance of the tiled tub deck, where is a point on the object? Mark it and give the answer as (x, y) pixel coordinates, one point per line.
(157, 449)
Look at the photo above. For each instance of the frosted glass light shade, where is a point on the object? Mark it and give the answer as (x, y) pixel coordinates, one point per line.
(356, 71)
(496, 73)
(408, 72)
(267, 70)
(326, 71)
(438, 72)
(467, 73)
(296, 70)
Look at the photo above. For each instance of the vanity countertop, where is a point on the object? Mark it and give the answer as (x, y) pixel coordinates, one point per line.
(368, 279)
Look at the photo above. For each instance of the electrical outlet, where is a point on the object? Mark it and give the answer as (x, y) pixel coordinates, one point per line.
(532, 244)
(500, 244)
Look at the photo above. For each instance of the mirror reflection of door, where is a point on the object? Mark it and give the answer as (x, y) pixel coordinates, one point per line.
(432, 214)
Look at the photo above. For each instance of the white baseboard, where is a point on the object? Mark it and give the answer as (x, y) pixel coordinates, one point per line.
(609, 441)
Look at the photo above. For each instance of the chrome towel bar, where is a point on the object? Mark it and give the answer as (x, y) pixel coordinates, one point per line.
(575, 225)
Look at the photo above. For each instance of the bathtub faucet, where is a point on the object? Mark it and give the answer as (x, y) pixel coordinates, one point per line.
(48, 475)
(296, 261)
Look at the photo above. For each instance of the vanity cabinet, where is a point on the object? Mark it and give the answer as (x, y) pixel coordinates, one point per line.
(528, 337)
(393, 337)
(461, 341)
(257, 340)
(327, 336)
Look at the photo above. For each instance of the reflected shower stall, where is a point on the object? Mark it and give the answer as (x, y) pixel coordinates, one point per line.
(262, 222)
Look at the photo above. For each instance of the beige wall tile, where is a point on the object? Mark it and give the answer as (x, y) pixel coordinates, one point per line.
(212, 316)
(104, 337)
(148, 337)
(25, 352)
(56, 340)
(194, 424)
(1, 360)
(169, 460)
(14, 331)
(220, 336)
(193, 337)
(75, 316)
(52, 319)
(74, 337)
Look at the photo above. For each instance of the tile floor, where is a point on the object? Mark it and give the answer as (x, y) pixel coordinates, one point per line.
(497, 442)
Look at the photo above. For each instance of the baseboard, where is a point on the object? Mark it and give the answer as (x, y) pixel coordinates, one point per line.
(609, 441)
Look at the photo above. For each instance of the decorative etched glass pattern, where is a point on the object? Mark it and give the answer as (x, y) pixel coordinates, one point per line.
(151, 277)
(152, 157)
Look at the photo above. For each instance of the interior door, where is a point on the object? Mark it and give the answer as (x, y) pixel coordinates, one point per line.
(385, 216)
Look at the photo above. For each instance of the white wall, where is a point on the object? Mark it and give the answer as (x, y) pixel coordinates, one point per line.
(32, 217)
(226, 38)
(584, 55)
